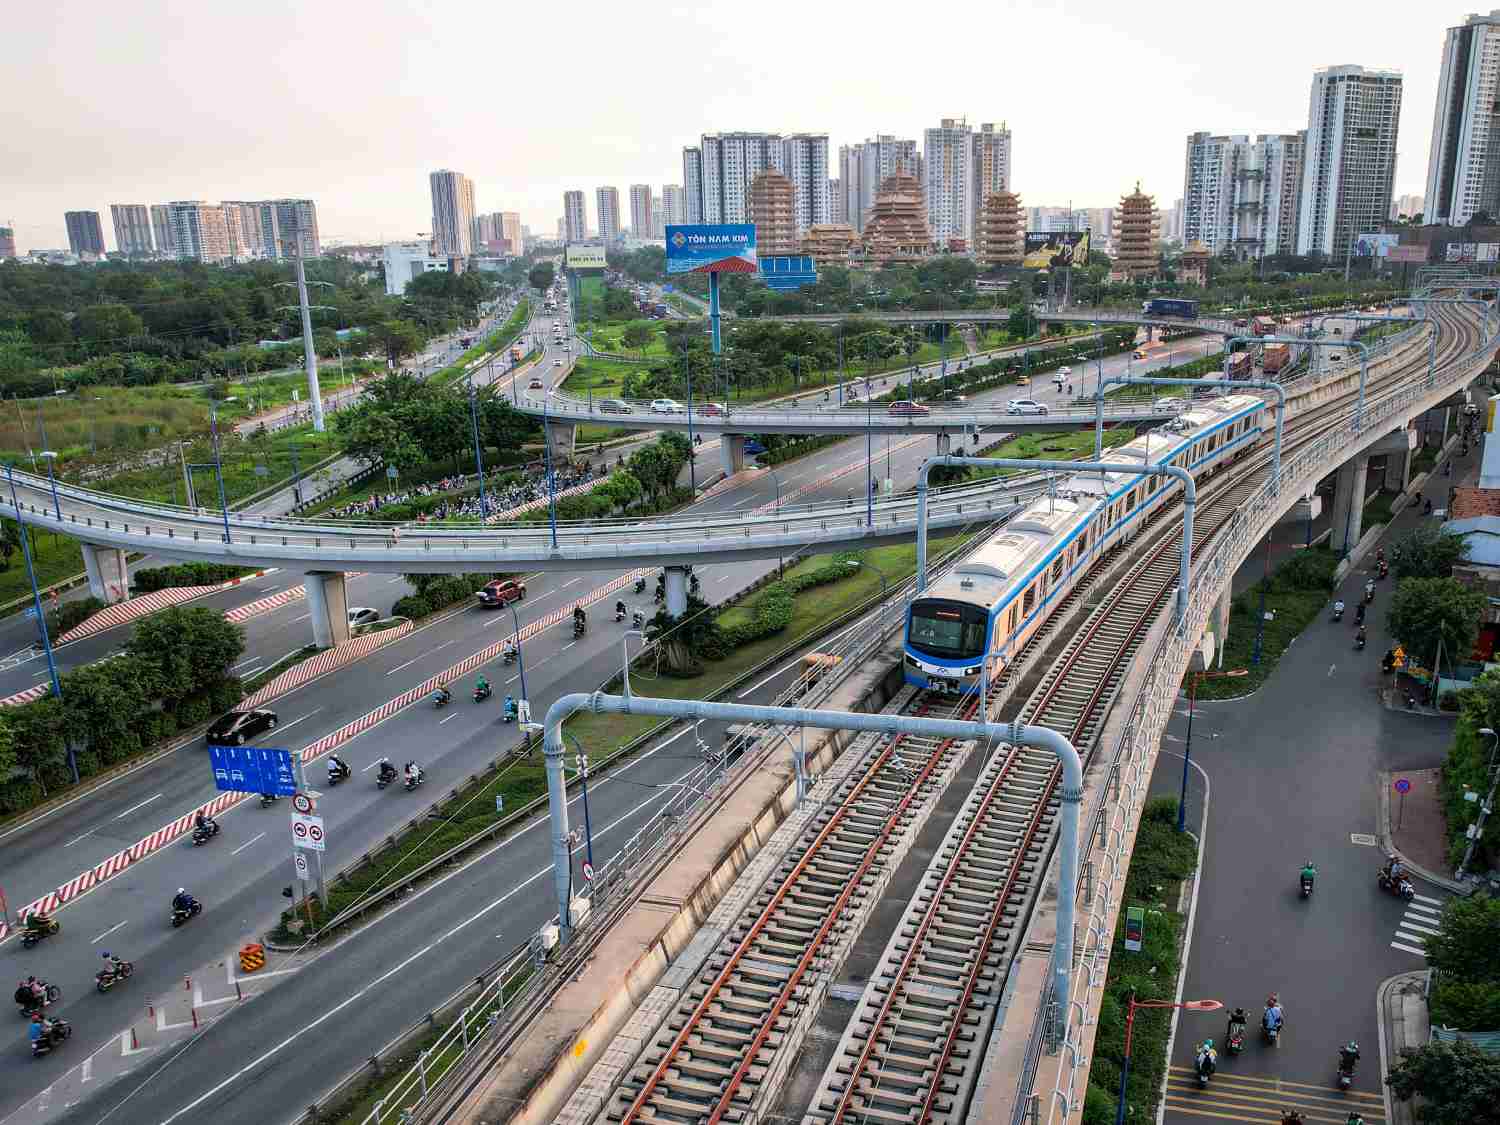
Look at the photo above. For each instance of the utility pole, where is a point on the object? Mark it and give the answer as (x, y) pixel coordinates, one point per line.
(1477, 829)
(309, 353)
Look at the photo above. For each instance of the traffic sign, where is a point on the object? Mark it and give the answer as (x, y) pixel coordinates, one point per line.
(302, 803)
(299, 862)
(1402, 785)
(252, 769)
(307, 832)
(588, 870)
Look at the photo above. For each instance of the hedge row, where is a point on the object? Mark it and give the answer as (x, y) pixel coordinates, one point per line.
(172, 676)
(72, 613)
(185, 574)
(438, 591)
(773, 609)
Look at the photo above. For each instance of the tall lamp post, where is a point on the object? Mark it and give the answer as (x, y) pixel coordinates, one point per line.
(478, 456)
(1187, 747)
(1477, 829)
(213, 426)
(1187, 1005)
(49, 456)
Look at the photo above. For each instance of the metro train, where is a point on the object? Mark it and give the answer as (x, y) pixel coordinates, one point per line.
(995, 599)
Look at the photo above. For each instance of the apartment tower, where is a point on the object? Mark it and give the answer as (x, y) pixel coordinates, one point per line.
(1350, 160)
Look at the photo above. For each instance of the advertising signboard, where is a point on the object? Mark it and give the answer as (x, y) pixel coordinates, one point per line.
(707, 247)
(252, 769)
(1488, 252)
(584, 257)
(1055, 249)
(1462, 251)
(788, 271)
(1375, 245)
(1408, 255)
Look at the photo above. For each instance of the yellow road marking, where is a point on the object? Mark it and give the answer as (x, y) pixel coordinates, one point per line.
(1276, 1083)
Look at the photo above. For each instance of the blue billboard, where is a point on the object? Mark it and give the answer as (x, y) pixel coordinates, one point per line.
(788, 271)
(711, 247)
(253, 769)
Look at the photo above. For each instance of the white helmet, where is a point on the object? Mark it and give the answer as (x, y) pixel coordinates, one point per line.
(182, 890)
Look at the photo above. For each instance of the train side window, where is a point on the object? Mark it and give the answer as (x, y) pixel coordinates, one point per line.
(1010, 620)
(1057, 567)
(1028, 602)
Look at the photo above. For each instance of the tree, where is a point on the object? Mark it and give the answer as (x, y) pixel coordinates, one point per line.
(107, 324)
(1428, 552)
(397, 339)
(187, 648)
(1458, 1083)
(637, 335)
(1466, 989)
(1428, 611)
(540, 276)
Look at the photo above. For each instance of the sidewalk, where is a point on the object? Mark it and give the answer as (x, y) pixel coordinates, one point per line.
(1401, 1004)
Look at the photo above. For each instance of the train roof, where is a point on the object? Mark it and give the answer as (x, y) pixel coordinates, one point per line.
(984, 576)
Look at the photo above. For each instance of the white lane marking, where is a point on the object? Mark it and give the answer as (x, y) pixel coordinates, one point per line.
(304, 617)
(246, 844)
(300, 718)
(85, 836)
(1428, 898)
(86, 1071)
(106, 933)
(1419, 952)
(1430, 911)
(414, 659)
(251, 660)
(575, 581)
(569, 645)
(756, 687)
(252, 671)
(133, 808)
(452, 716)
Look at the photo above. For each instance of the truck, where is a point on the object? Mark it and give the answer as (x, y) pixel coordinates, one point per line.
(516, 353)
(1274, 357)
(659, 309)
(1170, 306)
(1263, 326)
(1239, 365)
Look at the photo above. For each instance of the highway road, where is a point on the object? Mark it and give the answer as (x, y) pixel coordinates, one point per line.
(240, 875)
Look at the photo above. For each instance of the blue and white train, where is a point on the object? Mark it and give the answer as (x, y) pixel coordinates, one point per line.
(995, 599)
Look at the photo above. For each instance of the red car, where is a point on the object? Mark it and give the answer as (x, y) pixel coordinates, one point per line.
(501, 592)
(907, 407)
(711, 409)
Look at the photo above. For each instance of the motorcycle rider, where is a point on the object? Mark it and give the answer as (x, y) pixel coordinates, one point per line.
(1359, 614)
(204, 823)
(1309, 873)
(1369, 589)
(440, 694)
(1359, 637)
(1338, 607)
(580, 618)
(1273, 1017)
(1207, 1058)
(413, 773)
(482, 685)
(337, 767)
(619, 611)
(1348, 1057)
(386, 770)
(510, 707)
(31, 991)
(38, 921)
(113, 964)
(1394, 871)
(40, 1027)
(1237, 1021)
(182, 900)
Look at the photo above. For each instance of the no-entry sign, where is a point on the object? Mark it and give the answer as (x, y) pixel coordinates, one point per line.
(307, 832)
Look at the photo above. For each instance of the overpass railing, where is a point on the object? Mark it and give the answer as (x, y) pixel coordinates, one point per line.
(1113, 819)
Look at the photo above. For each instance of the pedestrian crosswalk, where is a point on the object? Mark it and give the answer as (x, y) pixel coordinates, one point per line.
(1419, 922)
(1263, 1101)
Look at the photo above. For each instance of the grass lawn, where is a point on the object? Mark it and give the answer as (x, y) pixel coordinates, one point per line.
(610, 338)
(1072, 446)
(812, 611)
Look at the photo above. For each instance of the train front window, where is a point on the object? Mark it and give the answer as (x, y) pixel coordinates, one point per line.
(947, 630)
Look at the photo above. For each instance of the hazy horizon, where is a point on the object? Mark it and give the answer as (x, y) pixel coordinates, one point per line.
(136, 106)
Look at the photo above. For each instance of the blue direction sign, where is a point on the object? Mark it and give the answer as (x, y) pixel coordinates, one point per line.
(253, 769)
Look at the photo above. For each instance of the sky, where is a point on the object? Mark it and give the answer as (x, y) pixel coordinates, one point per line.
(352, 104)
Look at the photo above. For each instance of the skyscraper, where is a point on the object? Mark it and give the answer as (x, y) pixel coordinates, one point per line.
(510, 231)
(1463, 164)
(161, 230)
(991, 169)
(718, 171)
(575, 223)
(673, 204)
(85, 234)
(1241, 195)
(132, 227)
(865, 166)
(7, 242)
(692, 186)
(297, 224)
(199, 231)
(452, 213)
(640, 210)
(1350, 159)
(838, 209)
(804, 161)
(948, 155)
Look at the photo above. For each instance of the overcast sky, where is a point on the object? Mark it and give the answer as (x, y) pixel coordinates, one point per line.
(353, 104)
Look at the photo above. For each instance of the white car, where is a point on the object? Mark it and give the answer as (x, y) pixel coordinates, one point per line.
(665, 406)
(363, 615)
(1172, 405)
(1024, 406)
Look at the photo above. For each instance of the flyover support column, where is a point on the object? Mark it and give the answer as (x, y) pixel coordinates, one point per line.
(944, 444)
(1349, 504)
(732, 450)
(560, 438)
(677, 590)
(328, 606)
(109, 580)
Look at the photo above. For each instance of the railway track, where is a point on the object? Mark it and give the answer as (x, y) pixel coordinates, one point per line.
(913, 1049)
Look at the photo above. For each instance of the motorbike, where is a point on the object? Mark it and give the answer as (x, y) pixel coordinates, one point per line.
(385, 777)
(619, 615)
(1359, 614)
(1359, 641)
(1338, 612)
(1384, 570)
(337, 773)
(508, 657)
(34, 934)
(105, 979)
(51, 994)
(1369, 591)
(440, 699)
(578, 628)
(638, 620)
(181, 915)
(1235, 1041)
(1401, 886)
(482, 693)
(205, 832)
(1307, 886)
(509, 714)
(268, 799)
(56, 1035)
(640, 585)
(1205, 1067)
(1346, 1074)
(413, 780)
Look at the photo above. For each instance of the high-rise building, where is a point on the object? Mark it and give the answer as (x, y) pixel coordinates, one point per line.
(199, 231)
(658, 218)
(452, 213)
(607, 200)
(991, 168)
(297, 224)
(771, 206)
(865, 166)
(1241, 196)
(1137, 234)
(255, 232)
(692, 185)
(574, 225)
(1350, 160)
(85, 234)
(837, 205)
(162, 232)
(1000, 239)
(1463, 163)
(673, 204)
(804, 161)
(132, 227)
(948, 158)
(511, 232)
(1407, 206)
(640, 211)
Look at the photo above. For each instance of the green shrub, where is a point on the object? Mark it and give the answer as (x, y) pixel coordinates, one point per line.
(72, 614)
(413, 606)
(1311, 569)
(185, 574)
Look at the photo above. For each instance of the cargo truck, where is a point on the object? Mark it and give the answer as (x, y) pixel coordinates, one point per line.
(1263, 326)
(1274, 357)
(1171, 306)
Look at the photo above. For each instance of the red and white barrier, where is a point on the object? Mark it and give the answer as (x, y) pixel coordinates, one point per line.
(266, 604)
(326, 661)
(133, 609)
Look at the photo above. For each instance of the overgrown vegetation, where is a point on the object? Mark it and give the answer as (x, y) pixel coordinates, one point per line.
(438, 591)
(1459, 1083)
(1466, 771)
(1466, 979)
(185, 574)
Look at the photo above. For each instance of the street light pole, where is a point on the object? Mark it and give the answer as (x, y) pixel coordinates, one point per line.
(213, 425)
(49, 456)
(478, 456)
(1187, 750)
(36, 604)
(1189, 1005)
(1477, 830)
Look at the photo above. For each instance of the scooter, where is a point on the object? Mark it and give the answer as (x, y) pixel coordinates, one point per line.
(413, 780)
(31, 935)
(51, 995)
(482, 693)
(179, 915)
(105, 979)
(440, 699)
(268, 799)
(337, 773)
(1338, 612)
(1359, 641)
(1235, 1042)
(578, 628)
(509, 714)
(1346, 1075)
(1307, 886)
(205, 832)
(638, 620)
(640, 585)
(619, 615)
(385, 777)
(508, 657)
(1205, 1067)
(1401, 886)
(56, 1035)
(1369, 591)
(1384, 569)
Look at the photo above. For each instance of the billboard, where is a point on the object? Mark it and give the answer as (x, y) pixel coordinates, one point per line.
(1375, 245)
(1055, 249)
(1462, 251)
(584, 257)
(706, 247)
(1409, 255)
(1488, 252)
(788, 271)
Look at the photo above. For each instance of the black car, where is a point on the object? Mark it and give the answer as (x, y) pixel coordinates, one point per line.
(238, 727)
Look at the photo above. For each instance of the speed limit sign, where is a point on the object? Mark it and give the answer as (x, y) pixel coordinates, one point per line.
(302, 803)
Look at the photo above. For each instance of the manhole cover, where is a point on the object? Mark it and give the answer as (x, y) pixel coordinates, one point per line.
(1364, 839)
